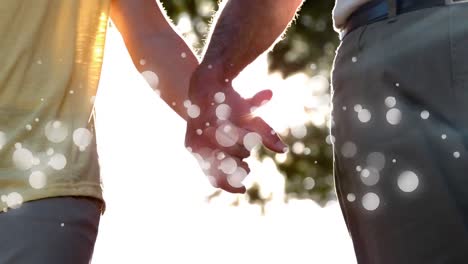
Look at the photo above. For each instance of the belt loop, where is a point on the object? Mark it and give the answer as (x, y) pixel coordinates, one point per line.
(392, 9)
(360, 44)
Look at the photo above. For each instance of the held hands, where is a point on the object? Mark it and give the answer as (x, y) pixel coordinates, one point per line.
(221, 129)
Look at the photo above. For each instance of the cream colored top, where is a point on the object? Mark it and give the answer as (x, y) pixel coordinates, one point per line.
(342, 10)
(51, 54)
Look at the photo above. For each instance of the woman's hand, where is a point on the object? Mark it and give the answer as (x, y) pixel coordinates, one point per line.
(221, 129)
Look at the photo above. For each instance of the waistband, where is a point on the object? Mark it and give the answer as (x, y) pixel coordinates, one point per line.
(377, 10)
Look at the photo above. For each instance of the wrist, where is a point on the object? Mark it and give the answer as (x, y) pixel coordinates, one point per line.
(207, 80)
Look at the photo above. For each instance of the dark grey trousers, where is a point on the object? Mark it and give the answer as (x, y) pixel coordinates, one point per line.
(58, 230)
(400, 128)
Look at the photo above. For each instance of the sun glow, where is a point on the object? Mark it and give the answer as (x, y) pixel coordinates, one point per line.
(157, 195)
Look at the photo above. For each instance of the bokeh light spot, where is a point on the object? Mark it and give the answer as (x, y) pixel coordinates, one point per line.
(226, 135)
(393, 116)
(370, 176)
(370, 201)
(376, 160)
(82, 138)
(351, 197)
(348, 149)
(364, 115)
(58, 161)
(228, 165)
(252, 140)
(14, 200)
(235, 179)
(357, 108)
(151, 78)
(309, 183)
(193, 111)
(37, 180)
(390, 101)
(408, 181)
(299, 131)
(219, 97)
(56, 131)
(23, 158)
(223, 111)
(425, 114)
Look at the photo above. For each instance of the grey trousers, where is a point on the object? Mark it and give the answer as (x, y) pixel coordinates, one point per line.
(400, 130)
(58, 230)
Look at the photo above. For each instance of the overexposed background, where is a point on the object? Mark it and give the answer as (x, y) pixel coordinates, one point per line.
(157, 208)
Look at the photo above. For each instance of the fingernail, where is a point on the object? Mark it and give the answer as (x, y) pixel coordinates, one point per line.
(280, 145)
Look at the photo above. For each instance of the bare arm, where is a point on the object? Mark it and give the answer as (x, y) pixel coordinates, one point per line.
(244, 30)
(155, 46)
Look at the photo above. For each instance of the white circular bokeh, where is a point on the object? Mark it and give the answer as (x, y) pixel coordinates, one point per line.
(357, 108)
(364, 115)
(193, 111)
(370, 176)
(299, 131)
(351, 197)
(425, 114)
(227, 135)
(151, 78)
(348, 149)
(50, 151)
(370, 201)
(58, 161)
(235, 179)
(393, 116)
(309, 183)
(223, 111)
(299, 148)
(228, 165)
(390, 101)
(56, 131)
(14, 200)
(23, 158)
(37, 179)
(408, 181)
(376, 160)
(220, 156)
(219, 97)
(82, 138)
(252, 140)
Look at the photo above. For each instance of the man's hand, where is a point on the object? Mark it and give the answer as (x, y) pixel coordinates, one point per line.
(221, 130)
(221, 119)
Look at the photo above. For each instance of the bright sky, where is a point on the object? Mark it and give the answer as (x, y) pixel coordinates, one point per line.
(156, 194)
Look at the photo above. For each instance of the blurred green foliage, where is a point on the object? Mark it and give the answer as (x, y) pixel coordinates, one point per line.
(308, 47)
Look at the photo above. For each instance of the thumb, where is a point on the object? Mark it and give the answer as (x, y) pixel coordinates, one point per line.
(270, 138)
(261, 98)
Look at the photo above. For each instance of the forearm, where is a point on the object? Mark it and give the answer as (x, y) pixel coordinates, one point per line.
(244, 30)
(155, 46)
(168, 56)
